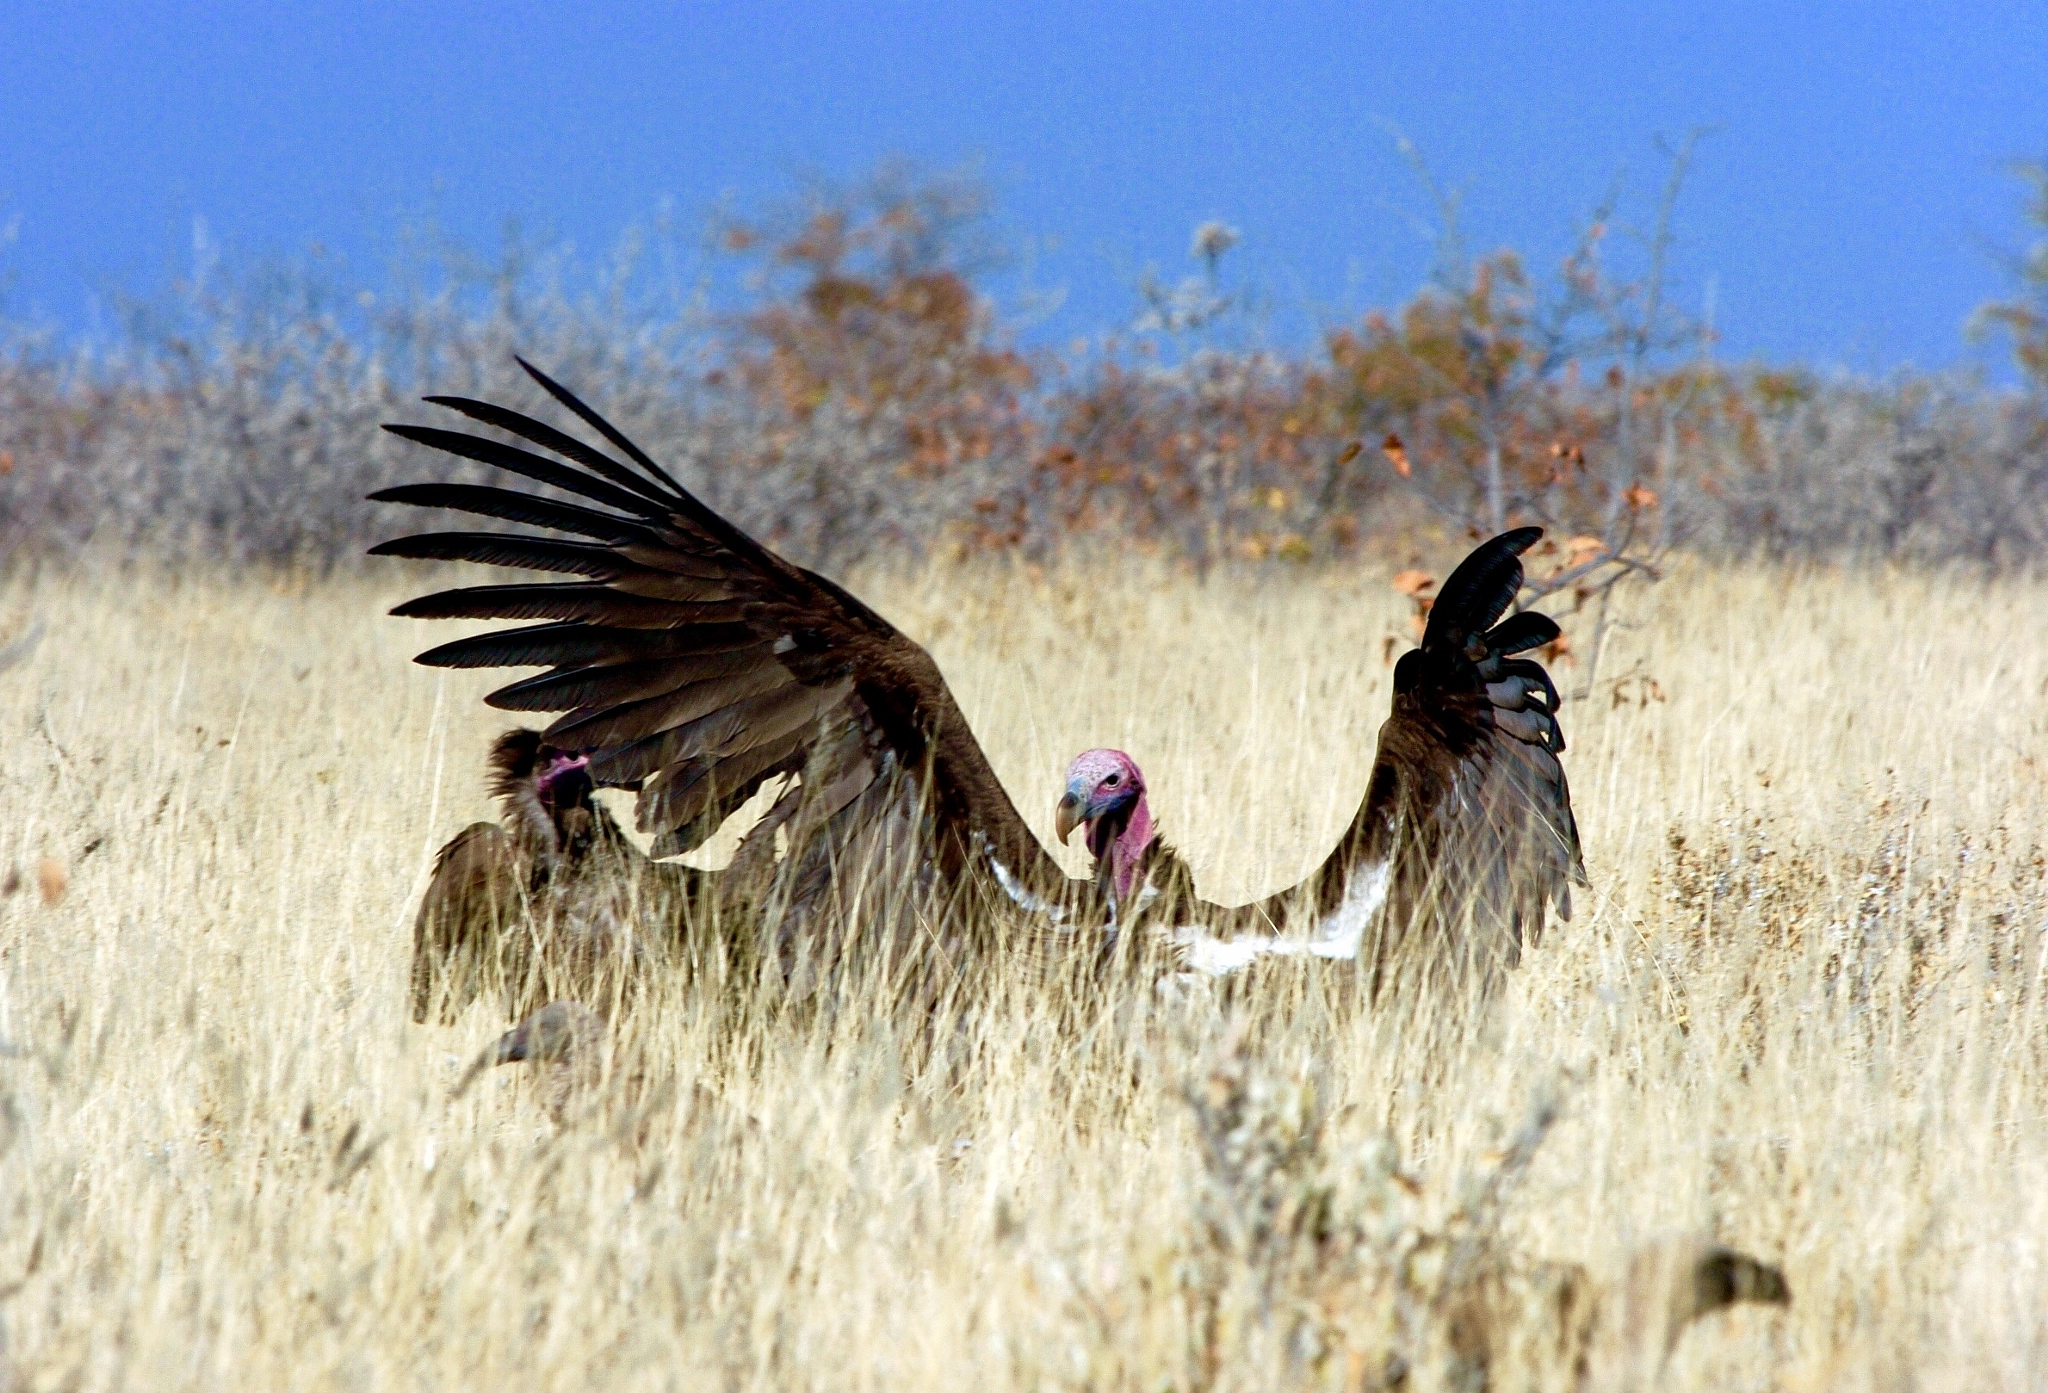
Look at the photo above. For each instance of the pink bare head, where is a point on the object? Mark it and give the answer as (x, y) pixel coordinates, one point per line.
(1106, 795)
(562, 777)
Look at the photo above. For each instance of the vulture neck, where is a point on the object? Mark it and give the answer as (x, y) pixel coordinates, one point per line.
(1121, 856)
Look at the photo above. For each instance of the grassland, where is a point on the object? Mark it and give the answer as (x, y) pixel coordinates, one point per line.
(1802, 1008)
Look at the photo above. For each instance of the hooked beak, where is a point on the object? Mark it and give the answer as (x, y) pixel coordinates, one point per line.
(1069, 816)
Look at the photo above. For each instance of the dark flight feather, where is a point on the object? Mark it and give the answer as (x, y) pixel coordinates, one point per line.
(1479, 591)
(568, 446)
(634, 452)
(576, 644)
(615, 723)
(1518, 633)
(595, 603)
(566, 689)
(525, 463)
(482, 500)
(502, 549)
(678, 803)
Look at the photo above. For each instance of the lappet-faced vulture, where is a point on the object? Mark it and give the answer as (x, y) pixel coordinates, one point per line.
(550, 901)
(693, 665)
(1463, 842)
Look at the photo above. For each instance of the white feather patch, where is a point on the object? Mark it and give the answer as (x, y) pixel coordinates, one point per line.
(1337, 938)
(1021, 896)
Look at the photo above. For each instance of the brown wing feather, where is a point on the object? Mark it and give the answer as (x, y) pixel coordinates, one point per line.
(604, 684)
(703, 708)
(692, 663)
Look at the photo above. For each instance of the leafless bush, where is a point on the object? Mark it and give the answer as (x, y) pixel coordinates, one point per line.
(249, 431)
(1918, 470)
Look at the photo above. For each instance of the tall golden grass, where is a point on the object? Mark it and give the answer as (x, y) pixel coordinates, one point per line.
(1800, 1009)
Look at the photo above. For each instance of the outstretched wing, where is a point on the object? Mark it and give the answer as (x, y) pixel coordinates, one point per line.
(692, 664)
(1468, 800)
(1465, 835)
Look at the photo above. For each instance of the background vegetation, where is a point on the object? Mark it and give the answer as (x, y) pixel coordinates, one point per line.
(845, 385)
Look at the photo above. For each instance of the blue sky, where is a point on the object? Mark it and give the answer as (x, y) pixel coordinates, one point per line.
(1841, 214)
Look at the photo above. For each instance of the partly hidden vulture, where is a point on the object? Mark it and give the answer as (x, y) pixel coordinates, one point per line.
(693, 666)
(1465, 837)
(550, 901)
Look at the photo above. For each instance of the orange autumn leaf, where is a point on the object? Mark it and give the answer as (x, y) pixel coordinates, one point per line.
(1413, 583)
(51, 880)
(1636, 496)
(1397, 455)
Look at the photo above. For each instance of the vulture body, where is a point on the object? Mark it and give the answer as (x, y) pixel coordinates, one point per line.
(1464, 840)
(694, 666)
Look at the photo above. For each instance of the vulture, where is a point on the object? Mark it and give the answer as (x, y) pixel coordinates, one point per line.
(551, 901)
(1464, 840)
(693, 666)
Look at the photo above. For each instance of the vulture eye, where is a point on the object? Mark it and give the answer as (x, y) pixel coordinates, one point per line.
(1112, 781)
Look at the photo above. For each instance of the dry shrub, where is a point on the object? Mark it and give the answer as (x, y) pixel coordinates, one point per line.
(1224, 457)
(858, 393)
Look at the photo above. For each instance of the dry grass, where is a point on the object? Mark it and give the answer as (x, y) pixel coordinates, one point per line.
(1803, 1008)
